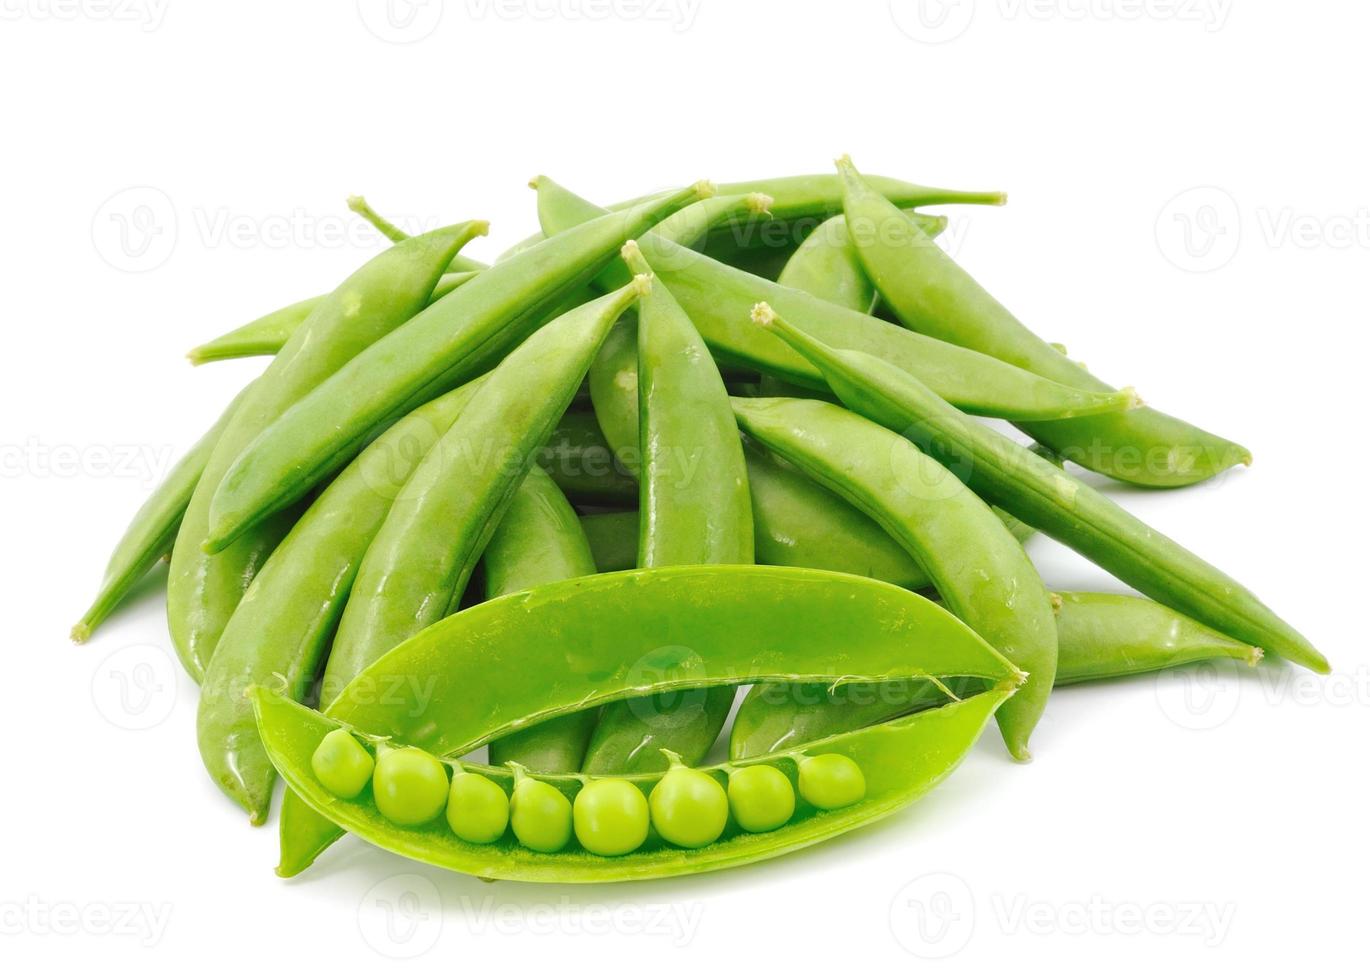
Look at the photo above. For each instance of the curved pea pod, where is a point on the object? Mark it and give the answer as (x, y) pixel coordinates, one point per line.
(417, 568)
(151, 533)
(538, 541)
(827, 266)
(457, 338)
(718, 300)
(1056, 503)
(297, 599)
(1101, 636)
(203, 589)
(930, 293)
(464, 681)
(901, 761)
(978, 567)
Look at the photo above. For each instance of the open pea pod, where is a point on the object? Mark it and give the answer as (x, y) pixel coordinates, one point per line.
(524, 658)
(900, 761)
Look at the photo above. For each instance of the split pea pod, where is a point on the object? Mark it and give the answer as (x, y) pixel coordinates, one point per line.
(695, 510)
(1101, 636)
(451, 341)
(538, 541)
(718, 300)
(899, 762)
(978, 567)
(933, 295)
(281, 629)
(152, 531)
(463, 681)
(204, 589)
(416, 569)
(1053, 501)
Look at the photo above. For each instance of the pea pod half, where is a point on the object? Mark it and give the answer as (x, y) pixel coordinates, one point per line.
(524, 658)
(900, 761)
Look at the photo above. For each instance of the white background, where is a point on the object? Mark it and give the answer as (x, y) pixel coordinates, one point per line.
(1196, 824)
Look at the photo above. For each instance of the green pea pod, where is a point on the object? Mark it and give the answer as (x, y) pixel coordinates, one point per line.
(359, 206)
(152, 531)
(1101, 636)
(579, 459)
(933, 295)
(598, 639)
(798, 205)
(204, 589)
(613, 539)
(297, 597)
(417, 567)
(453, 340)
(540, 541)
(267, 335)
(901, 761)
(695, 510)
(827, 266)
(718, 300)
(1053, 501)
(978, 567)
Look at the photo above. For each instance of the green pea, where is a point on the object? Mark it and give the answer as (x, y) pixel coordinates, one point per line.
(477, 809)
(689, 808)
(410, 786)
(611, 817)
(831, 781)
(341, 764)
(540, 814)
(761, 798)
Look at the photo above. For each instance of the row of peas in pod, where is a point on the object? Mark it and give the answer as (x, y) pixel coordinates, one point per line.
(609, 816)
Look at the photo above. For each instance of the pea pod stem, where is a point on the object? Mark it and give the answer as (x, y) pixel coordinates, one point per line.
(1058, 504)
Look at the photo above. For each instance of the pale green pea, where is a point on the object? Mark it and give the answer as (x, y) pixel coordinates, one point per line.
(342, 764)
(410, 786)
(539, 813)
(831, 781)
(761, 798)
(477, 809)
(611, 817)
(689, 808)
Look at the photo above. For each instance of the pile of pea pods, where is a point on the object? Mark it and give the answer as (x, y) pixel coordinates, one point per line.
(483, 562)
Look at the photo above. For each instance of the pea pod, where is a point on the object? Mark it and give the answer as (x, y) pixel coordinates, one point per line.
(152, 531)
(933, 295)
(978, 567)
(1053, 501)
(538, 541)
(417, 567)
(297, 598)
(827, 266)
(901, 761)
(1101, 636)
(204, 589)
(449, 342)
(599, 639)
(718, 299)
(579, 459)
(695, 510)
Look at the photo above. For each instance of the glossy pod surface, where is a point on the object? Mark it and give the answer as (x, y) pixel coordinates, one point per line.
(719, 299)
(1054, 502)
(1100, 636)
(933, 295)
(977, 565)
(901, 761)
(451, 341)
